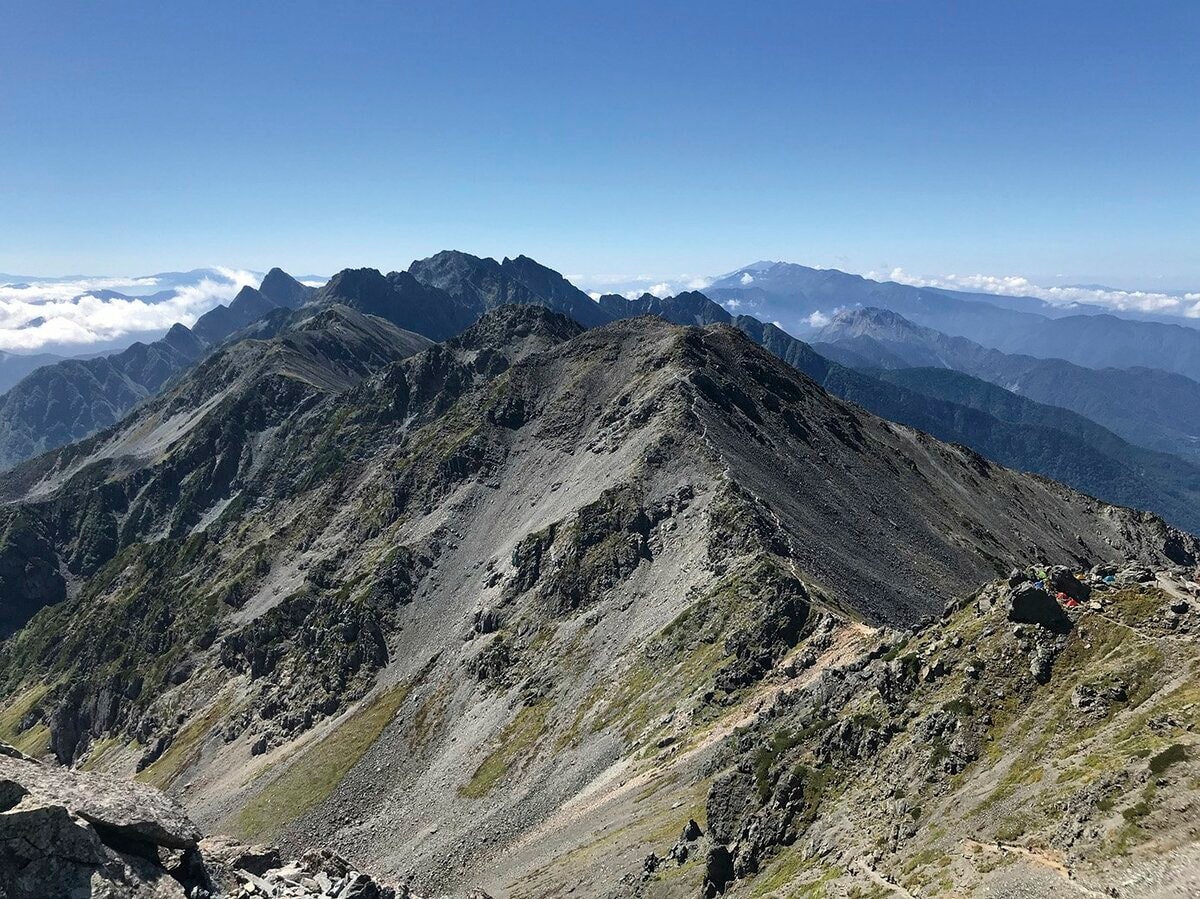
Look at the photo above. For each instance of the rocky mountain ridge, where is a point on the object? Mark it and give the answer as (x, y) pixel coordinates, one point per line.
(60, 403)
(1022, 745)
(474, 585)
(1003, 426)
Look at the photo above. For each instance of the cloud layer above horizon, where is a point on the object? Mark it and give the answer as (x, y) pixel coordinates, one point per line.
(66, 314)
(1184, 304)
(79, 313)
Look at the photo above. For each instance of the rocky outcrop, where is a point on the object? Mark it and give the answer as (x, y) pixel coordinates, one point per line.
(1030, 604)
(62, 831)
(974, 698)
(67, 833)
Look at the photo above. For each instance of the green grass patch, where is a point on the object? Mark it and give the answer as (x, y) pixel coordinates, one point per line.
(1137, 605)
(99, 750)
(428, 720)
(317, 771)
(518, 737)
(1012, 828)
(1176, 752)
(185, 747)
(1022, 772)
(35, 740)
(805, 877)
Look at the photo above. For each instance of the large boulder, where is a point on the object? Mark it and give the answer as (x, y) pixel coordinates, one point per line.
(130, 810)
(1062, 580)
(1028, 604)
(66, 833)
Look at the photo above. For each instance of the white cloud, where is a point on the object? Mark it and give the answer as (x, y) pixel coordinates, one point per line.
(746, 278)
(632, 287)
(818, 319)
(1017, 286)
(69, 312)
(595, 294)
(732, 304)
(660, 290)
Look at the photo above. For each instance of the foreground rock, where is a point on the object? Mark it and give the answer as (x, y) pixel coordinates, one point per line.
(66, 834)
(72, 833)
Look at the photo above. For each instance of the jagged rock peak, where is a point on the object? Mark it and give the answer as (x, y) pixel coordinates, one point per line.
(505, 325)
(284, 290)
(250, 298)
(353, 282)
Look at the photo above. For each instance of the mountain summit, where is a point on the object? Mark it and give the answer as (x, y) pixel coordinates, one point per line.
(482, 284)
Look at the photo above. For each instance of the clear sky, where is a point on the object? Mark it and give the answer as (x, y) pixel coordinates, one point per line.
(606, 139)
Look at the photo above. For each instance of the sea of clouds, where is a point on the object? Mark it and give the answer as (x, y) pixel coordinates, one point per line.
(1184, 304)
(63, 314)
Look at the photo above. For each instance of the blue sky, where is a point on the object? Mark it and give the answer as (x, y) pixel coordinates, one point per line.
(1047, 140)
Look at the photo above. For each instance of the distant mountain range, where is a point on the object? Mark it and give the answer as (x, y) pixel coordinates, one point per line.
(791, 294)
(66, 401)
(1146, 406)
(440, 296)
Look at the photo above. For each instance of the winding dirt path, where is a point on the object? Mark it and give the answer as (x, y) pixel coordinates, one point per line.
(849, 641)
(1046, 858)
(863, 867)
